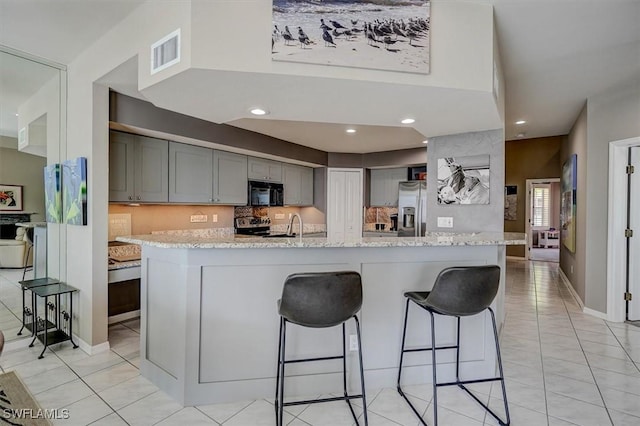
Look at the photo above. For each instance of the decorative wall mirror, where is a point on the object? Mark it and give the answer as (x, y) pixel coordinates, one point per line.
(32, 136)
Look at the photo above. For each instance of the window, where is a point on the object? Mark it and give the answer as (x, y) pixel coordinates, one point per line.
(541, 206)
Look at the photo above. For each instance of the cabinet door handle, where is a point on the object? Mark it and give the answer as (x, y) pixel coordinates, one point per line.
(138, 198)
(130, 198)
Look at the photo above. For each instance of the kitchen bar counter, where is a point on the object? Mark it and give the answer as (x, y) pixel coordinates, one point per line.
(431, 239)
(209, 320)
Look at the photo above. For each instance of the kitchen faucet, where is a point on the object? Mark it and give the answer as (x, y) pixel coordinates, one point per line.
(290, 227)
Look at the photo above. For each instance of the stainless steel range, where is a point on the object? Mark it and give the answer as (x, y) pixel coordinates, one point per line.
(258, 226)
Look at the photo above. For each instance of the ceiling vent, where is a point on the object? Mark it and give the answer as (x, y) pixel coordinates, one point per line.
(165, 52)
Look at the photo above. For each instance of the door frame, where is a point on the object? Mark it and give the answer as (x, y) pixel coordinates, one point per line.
(527, 218)
(617, 223)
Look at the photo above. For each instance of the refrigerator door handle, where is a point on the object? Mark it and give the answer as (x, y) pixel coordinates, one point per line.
(418, 220)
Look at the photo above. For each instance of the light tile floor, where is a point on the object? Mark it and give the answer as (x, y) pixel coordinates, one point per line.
(562, 367)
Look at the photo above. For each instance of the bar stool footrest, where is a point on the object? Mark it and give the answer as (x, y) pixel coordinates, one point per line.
(314, 401)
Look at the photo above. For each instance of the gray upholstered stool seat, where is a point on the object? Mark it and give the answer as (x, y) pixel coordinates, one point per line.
(457, 292)
(320, 300)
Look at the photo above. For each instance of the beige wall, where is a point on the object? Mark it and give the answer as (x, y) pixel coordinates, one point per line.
(537, 158)
(17, 168)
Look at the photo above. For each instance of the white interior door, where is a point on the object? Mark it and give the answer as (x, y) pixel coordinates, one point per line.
(634, 242)
(344, 204)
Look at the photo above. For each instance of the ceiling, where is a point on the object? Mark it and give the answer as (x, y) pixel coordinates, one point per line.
(555, 54)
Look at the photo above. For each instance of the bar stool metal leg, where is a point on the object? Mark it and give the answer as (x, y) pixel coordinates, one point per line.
(504, 389)
(280, 375)
(433, 369)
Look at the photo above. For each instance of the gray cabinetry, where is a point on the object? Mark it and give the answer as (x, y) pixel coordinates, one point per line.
(203, 175)
(384, 186)
(190, 173)
(266, 170)
(298, 185)
(138, 169)
(230, 178)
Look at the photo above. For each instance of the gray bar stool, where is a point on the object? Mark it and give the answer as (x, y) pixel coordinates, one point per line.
(457, 292)
(320, 300)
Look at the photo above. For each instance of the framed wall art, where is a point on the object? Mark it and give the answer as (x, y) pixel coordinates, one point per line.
(568, 187)
(391, 35)
(11, 198)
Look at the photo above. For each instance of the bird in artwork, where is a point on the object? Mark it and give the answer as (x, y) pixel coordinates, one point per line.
(324, 26)
(303, 38)
(328, 40)
(388, 41)
(336, 24)
(286, 35)
(354, 22)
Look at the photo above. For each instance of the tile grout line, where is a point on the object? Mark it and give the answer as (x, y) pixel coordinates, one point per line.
(585, 356)
(533, 268)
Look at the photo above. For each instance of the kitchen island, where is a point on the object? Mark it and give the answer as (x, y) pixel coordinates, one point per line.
(209, 321)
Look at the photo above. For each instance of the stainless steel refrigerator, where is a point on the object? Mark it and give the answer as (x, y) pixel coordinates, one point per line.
(412, 208)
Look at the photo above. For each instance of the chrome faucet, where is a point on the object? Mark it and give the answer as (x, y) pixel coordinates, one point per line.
(290, 227)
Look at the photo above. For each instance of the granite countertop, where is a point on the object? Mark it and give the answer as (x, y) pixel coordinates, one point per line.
(431, 239)
(124, 265)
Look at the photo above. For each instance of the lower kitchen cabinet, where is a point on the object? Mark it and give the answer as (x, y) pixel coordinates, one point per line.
(124, 296)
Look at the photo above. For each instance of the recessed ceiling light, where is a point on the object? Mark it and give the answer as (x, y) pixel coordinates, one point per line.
(17, 115)
(408, 121)
(520, 122)
(425, 141)
(351, 130)
(258, 111)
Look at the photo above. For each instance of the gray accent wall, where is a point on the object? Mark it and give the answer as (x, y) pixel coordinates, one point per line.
(611, 117)
(573, 264)
(468, 218)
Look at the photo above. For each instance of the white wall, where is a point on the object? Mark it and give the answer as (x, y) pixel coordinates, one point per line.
(464, 41)
(45, 101)
(87, 136)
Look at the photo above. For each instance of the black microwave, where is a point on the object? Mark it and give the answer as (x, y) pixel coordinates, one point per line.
(265, 193)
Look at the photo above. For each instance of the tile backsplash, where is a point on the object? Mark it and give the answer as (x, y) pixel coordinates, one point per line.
(374, 215)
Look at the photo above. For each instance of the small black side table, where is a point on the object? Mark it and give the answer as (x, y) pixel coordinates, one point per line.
(26, 312)
(63, 320)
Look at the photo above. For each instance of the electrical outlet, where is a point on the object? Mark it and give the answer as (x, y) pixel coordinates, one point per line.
(353, 342)
(445, 222)
(198, 218)
(214, 218)
(280, 216)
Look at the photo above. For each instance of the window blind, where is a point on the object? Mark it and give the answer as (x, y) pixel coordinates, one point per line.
(541, 206)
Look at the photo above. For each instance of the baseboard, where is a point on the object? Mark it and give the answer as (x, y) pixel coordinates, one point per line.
(516, 257)
(91, 350)
(595, 313)
(124, 317)
(567, 283)
(585, 310)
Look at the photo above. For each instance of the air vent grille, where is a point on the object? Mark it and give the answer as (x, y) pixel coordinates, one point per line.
(165, 52)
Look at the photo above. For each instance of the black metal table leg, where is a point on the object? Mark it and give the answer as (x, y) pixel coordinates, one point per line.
(71, 320)
(23, 314)
(46, 323)
(34, 324)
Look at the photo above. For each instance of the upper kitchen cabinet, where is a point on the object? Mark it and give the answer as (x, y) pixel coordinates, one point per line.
(384, 186)
(138, 169)
(190, 173)
(230, 178)
(298, 185)
(266, 170)
(204, 175)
